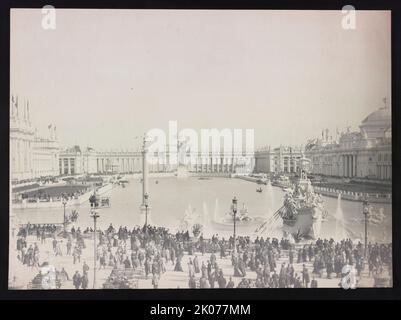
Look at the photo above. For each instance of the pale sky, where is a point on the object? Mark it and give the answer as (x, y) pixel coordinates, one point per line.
(105, 76)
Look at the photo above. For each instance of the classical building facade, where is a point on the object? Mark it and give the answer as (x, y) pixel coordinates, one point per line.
(75, 161)
(283, 159)
(364, 154)
(31, 156)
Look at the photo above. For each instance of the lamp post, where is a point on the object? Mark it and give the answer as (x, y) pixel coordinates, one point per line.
(94, 215)
(64, 202)
(365, 210)
(146, 203)
(235, 201)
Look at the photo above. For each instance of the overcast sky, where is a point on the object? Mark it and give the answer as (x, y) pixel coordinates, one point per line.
(105, 76)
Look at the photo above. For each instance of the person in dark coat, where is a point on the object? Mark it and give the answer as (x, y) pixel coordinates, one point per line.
(85, 267)
(84, 281)
(291, 256)
(305, 277)
(221, 280)
(76, 280)
(178, 266)
(196, 264)
(203, 283)
(192, 282)
(230, 283)
(127, 263)
(313, 283)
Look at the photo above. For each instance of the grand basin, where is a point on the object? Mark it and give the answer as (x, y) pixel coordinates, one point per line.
(170, 197)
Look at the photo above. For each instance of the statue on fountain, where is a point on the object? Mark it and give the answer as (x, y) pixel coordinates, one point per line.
(302, 210)
(182, 149)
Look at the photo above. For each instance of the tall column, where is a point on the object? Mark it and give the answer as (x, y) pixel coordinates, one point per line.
(295, 165)
(344, 166)
(69, 166)
(145, 208)
(289, 161)
(349, 166)
(351, 161)
(62, 165)
(355, 166)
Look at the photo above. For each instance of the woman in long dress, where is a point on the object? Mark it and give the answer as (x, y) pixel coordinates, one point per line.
(178, 266)
(196, 265)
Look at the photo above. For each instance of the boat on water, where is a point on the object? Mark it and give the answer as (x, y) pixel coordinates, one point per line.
(302, 212)
(259, 190)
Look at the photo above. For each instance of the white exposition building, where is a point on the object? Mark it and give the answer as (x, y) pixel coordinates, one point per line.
(77, 161)
(284, 159)
(31, 156)
(365, 154)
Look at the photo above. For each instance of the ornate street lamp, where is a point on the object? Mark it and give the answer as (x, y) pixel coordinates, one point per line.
(366, 210)
(64, 202)
(146, 203)
(94, 216)
(235, 201)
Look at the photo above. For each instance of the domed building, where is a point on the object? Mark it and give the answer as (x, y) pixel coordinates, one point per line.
(365, 154)
(376, 124)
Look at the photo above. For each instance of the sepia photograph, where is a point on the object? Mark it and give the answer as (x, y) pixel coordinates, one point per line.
(200, 149)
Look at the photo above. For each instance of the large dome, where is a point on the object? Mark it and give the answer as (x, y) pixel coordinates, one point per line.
(381, 116)
(376, 124)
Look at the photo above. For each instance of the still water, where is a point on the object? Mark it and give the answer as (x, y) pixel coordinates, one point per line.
(170, 197)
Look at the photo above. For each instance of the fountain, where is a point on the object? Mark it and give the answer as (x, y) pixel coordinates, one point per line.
(272, 225)
(270, 199)
(216, 215)
(340, 232)
(205, 217)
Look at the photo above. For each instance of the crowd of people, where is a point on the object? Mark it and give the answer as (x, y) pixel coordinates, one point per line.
(45, 197)
(149, 250)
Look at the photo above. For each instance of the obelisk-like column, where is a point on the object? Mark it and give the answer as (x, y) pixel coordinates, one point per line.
(145, 207)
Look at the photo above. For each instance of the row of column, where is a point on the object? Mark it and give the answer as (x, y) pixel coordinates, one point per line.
(225, 165)
(22, 158)
(349, 165)
(384, 172)
(119, 164)
(286, 163)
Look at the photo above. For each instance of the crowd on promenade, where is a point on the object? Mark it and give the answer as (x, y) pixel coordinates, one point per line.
(149, 250)
(43, 196)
